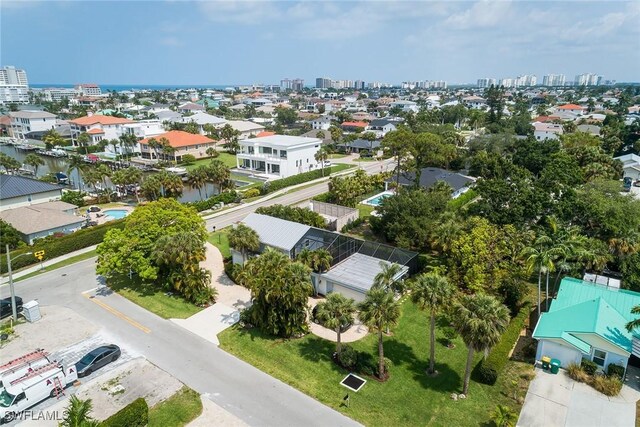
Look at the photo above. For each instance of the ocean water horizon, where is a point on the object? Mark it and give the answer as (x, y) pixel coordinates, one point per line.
(124, 87)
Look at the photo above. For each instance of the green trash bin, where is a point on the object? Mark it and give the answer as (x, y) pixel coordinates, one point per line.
(555, 366)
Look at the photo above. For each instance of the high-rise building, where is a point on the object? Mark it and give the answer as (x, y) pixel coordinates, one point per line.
(526, 80)
(486, 82)
(553, 80)
(323, 83)
(507, 82)
(14, 86)
(295, 85)
(588, 79)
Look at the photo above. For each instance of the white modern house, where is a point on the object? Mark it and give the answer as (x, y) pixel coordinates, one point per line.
(544, 131)
(405, 105)
(278, 156)
(201, 119)
(25, 122)
(630, 165)
(321, 123)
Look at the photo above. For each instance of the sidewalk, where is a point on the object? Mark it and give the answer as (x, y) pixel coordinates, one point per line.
(17, 274)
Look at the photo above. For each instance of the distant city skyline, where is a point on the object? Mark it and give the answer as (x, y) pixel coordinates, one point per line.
(243, 42)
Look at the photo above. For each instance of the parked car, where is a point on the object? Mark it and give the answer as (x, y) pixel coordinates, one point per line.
(327, 163)
(5, 307)
(97, 358)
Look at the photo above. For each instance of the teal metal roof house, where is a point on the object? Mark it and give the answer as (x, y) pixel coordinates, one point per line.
(587, 320)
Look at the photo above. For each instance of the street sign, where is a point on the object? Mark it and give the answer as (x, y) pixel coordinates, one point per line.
(39, 255)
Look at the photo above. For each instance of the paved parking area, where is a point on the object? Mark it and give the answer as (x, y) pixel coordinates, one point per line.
(557, 400)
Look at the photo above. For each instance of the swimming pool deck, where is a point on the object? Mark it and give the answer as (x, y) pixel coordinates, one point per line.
(377, 197)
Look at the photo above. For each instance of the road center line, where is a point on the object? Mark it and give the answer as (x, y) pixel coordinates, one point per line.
(117, 313)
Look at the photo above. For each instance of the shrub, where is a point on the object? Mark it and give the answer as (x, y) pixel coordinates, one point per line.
(614, 370)
(252, 192)
(232, 270)
(353, 224)
(226, 198)
(55, 247)
(135, 414)
(188, 159)
(348, 357)
(609, 386)
(488, 369)
(74, 197)
(450, 334)
(295, 214)
(576, 373)
(588, 366)
(278, 184)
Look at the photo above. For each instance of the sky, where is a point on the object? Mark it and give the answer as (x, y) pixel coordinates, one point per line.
(244, 42)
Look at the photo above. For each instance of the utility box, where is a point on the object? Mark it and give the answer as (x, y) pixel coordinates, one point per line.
(31, 311)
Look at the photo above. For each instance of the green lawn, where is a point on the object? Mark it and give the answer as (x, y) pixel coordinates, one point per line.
(226, 158)
(365, 210)
(151, 298)
(63, 263)
(337, 156)
(220, 239)
(338, 167)
(409, 397)
(176, 411)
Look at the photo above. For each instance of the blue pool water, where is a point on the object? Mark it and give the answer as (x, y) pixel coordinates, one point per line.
(375, 201)
(116, 213)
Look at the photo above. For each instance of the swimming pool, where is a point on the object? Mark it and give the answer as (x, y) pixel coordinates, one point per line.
(116, 213)
(375, 200)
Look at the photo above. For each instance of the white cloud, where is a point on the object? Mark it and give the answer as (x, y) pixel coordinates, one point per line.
(483, 14)
(239, 11)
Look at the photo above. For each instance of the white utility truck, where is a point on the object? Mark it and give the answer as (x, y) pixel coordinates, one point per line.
(18, 367)
(33, 387)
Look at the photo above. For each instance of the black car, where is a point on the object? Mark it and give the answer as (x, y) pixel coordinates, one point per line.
(97, 358)
(5, 307)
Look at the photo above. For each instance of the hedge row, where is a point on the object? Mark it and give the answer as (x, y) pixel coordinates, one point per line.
(135, 414)
(278, 184)
(488, 369)
(226, 198)
(57, 246)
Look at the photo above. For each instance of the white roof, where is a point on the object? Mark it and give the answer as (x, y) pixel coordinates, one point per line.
(359, 271)
(244, 126)
(203, 118)
(283, 140)
(32, 114)
(276, 232)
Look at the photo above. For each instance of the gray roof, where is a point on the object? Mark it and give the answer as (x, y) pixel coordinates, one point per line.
(430, 176)
(28, 114)
(358, 272)
(361, 144)
(37, 218)
(276, 232)
(281, 140)
(16, 186)
(383, 122)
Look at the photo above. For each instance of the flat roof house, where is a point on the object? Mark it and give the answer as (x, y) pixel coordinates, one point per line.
(182, 142)
(17, 191)
(26, 122)
(355, 262)
(587, 320)
(278, 156)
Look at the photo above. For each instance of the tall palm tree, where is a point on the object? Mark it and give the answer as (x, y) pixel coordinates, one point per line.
(386, 278)
(197, 178)
(52, 138)
(432, 292)
(480, 320)
(319, 260)
(76, 163)
(635, 323)
(83, 141)
(244, 239)
(537, 257)
(103, 172)
(321, 156)
(336, 312)
(219, 174)
(77, 413)
(35, 161)
(378, 311)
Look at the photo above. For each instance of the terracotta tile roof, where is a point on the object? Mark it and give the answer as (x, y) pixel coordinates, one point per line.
(542, 119)
(265, 133)
(5, 120)
(97, 118)
(355, 124)
(95, 131)
(178, 138)
(570, 107)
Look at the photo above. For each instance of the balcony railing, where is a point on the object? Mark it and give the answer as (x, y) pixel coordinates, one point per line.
(260, 156)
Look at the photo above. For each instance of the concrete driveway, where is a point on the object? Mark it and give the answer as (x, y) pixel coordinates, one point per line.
(557, 400)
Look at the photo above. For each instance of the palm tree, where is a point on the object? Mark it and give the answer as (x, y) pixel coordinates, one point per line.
(76, 163)
(244, 239)
(319, 260)
(197, 179)
(219, 174)
(378, 311)
(635, 323)
(321, 156)
(503, 416)
(83, 141)
(336, 312)
(52, 138)
(77, 413)
(103, 172)
(480, 320)
(386, 278)
(537, 257)
(212, 152)
(35, 161)
(432, 292)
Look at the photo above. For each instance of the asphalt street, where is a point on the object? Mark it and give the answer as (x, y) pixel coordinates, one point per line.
(246, 392)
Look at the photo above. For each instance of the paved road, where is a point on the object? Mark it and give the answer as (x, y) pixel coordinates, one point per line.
(241, 389)
(295, 197)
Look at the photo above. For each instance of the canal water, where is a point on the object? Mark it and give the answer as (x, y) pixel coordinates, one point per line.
(54, 165)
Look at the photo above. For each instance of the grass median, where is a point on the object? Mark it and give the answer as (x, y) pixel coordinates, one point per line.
(177, 411)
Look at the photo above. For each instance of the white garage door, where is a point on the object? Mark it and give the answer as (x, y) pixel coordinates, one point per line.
(554, 350)
(349, 293)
